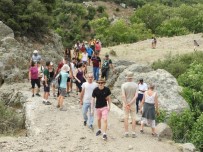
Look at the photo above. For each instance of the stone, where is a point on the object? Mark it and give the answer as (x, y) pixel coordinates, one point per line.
(5, 31)
(164, 131)
(130, 147)
(188, 147)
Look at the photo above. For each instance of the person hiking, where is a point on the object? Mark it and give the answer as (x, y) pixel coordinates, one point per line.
(150, 109)
(62, 86)
(107, 64)
(103, 105)
(195, 45)
(85, 99)
(154, 41)
(67, 54)
(46, 84)
(142, 87)
(33, 77)
(36, 57)
(89, 52)
(52, 78)
(96, 62)
(40, 71)
(97, 47)
(129, 94)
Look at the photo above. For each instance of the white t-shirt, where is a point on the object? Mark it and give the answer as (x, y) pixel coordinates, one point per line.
(89, 87)
(73, 67)
(84, 57)
(142, 87)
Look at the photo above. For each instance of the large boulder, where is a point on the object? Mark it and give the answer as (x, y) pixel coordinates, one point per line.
(166, 85)
(5, 31)
(164, 131)
(15, 54)
(188, 147)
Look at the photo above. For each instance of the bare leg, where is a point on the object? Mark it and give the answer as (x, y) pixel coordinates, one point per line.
(99, 123)
(133, 125)
(105, 126)
(126, 124)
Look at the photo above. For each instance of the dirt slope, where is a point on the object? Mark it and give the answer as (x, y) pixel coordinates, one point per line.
(141, 52)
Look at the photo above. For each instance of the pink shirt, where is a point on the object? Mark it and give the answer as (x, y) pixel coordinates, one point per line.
(34, 72)
(97, 47)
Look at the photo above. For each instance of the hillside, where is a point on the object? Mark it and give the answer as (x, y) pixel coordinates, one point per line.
(141, 52)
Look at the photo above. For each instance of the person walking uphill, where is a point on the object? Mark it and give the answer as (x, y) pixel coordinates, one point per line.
(103, 104)
(142, 87)
(107, 64)
(63, 85)
(85, 99)
(129, 94)
(150, 103)
(96, 61)
(46, 84)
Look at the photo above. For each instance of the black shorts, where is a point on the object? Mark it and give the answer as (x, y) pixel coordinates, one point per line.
(35, 81)
(89, 57)
(68, 80)
(47, 88)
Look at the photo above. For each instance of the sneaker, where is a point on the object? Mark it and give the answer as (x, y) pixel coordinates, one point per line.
(63, 109)
(98, 133)
(126, 135)
(104, 136)
(91, 127)
(47, 103)
(134, 135)
(33, 95)
(43, 102)
(154, 134)
(37, 94)
(85, 123)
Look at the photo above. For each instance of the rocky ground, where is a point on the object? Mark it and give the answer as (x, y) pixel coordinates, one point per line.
(52, 130)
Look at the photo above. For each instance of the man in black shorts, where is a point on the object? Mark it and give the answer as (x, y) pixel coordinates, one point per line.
(46, 84)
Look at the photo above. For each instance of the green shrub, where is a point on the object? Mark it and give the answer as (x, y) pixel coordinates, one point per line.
(197, 133)
(181, 125)
(161, 117)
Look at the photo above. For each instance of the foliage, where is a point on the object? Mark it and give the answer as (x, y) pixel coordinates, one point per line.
(9, 121)
(197, 133)
(181, 124)
(161, 117)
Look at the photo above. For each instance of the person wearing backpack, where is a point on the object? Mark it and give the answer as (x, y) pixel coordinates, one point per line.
(107, 64)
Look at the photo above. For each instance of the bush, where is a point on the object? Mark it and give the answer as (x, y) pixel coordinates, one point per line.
(197, 133)
(161, 117)
(181, 125)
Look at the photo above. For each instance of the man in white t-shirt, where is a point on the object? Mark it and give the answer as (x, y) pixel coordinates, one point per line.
(129, 94)
(85, 99)
(142, 87)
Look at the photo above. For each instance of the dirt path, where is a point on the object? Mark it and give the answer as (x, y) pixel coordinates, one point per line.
(63, 131)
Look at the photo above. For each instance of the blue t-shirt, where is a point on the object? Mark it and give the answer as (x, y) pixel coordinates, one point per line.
(64, 77)
(89, 51)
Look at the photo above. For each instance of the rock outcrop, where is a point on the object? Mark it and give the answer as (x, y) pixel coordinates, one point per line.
(166, 85)
(15, 55)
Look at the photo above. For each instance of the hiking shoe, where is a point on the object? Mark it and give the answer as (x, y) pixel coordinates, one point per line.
(126, 135)
(104, 136)
(43, 102)
(37, 94)
(134, 136)
(85, 123)
(63, 109)
(47, 103)
(33, 95)
(142, 131)
(91, 127)
(154, 134)
(98, 133)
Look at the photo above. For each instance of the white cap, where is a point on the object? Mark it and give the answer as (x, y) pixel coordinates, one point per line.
(35, 51)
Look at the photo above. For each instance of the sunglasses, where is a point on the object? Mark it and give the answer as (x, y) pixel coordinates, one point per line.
(100, 83)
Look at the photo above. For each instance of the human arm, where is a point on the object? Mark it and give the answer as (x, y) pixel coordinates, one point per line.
(29, 75)
(108, 100)
(92, 105)
(133, 100)
(156, 102)
(75, 75)
(142, 103)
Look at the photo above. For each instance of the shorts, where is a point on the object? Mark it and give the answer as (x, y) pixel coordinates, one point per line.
(68, 80)
(47, 88)
(131, 111)
(62, 92)
(102, 113)
(53, 82)
(35, 81)
(89, 57)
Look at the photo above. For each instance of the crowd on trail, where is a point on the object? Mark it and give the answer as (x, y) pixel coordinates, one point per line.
(72, 72)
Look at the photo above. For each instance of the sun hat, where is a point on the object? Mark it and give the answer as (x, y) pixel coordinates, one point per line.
(101, 81)
(35, 51)
(129, 75)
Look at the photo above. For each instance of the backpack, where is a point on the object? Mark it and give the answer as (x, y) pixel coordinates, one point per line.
(105, 64)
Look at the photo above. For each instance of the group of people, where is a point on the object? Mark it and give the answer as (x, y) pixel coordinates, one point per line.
(93, 93)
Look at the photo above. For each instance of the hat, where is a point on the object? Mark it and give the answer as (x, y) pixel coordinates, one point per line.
(129, 75)
(106, 55)
(35, 51)
(51, 63)
(101, 81)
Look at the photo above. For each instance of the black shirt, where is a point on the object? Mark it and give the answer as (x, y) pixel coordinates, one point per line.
(101, 96)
